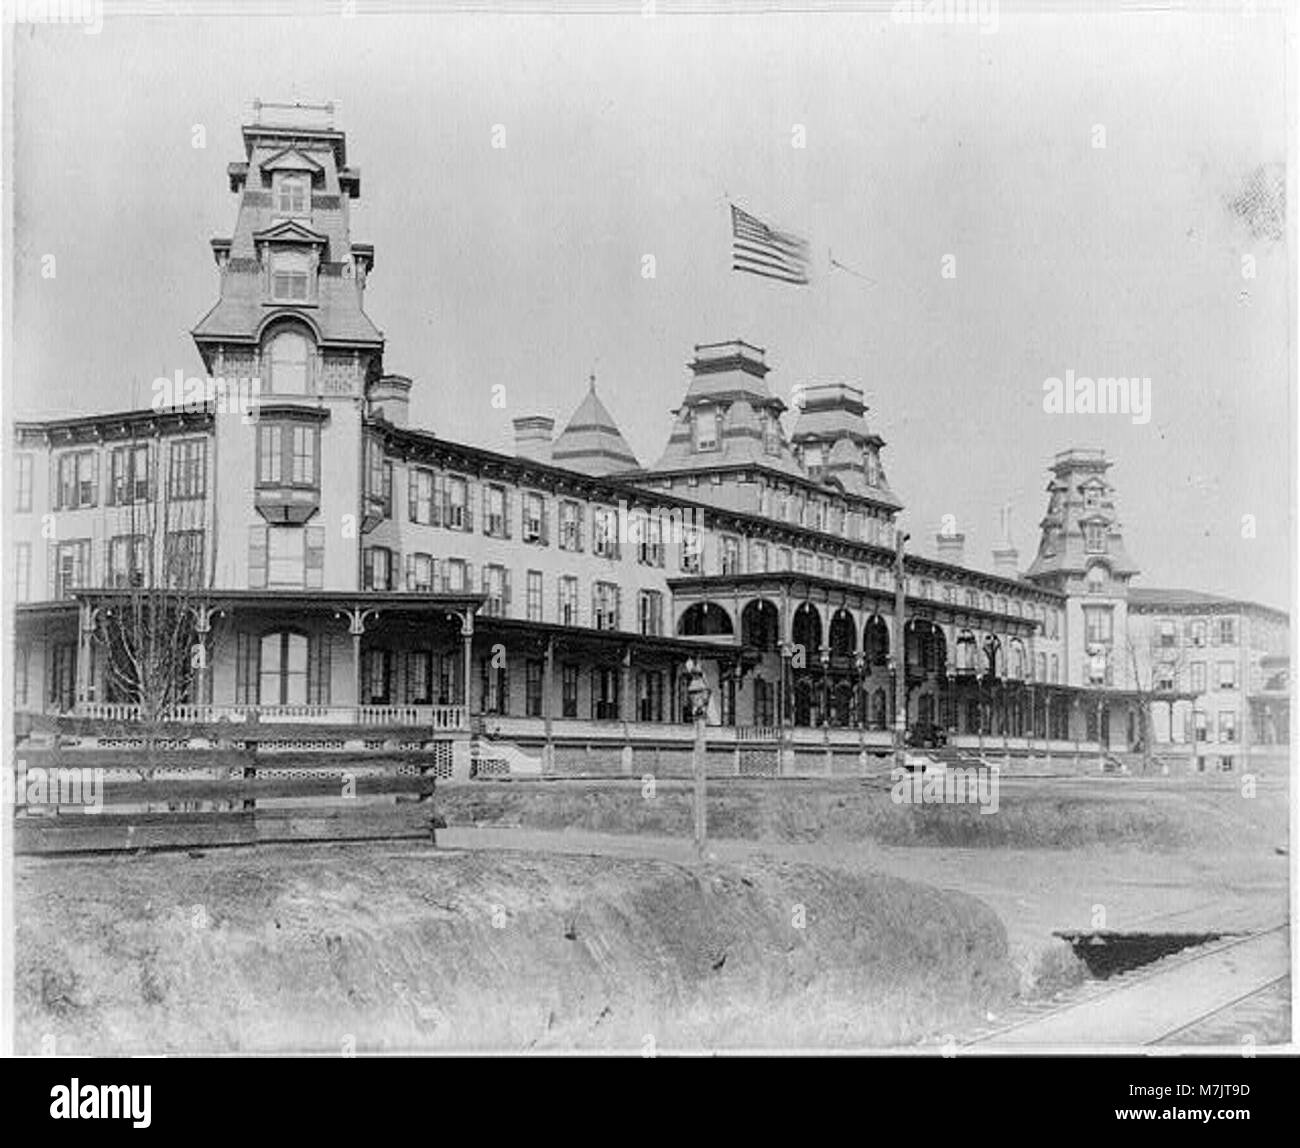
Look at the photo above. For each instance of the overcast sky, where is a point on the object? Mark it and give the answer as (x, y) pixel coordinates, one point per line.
(624, 135)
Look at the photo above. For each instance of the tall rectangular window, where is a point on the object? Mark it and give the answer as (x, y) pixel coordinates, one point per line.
(78, 480)
(72, 566)
(495, 583)
(569, 691)
(1227, 725)
(1226, 632)
(494, 682)
(604, 532)
(1227, 675)
(419, 573)
(1098, 624)
(421, 500)
(183, 559)
(604, 607)
(289, 276)
(650, 696)
(455, 576)
(494, 511)
(568, 601)
(23, 467)
(570, 525)
(1198, 677)
(457, 494)
(291, 195)
(652, 612)
(535, 519)
(533, 688)
(285, 557)
(270, 454)
(306, 441)
(534, 595)
(189, 469)
(22, 571)
(1095, 538)
(128, 475)
(377, 568)
(706, 429)
(730, 554)
(127, 561)
(604, 693)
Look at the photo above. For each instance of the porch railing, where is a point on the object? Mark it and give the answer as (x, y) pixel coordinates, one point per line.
(435, 717)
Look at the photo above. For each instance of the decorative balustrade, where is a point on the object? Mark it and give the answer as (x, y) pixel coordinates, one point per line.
(415, 716)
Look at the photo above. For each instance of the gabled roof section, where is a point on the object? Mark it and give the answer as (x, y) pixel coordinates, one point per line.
(291, 159)
(592, 442)
(291, 231)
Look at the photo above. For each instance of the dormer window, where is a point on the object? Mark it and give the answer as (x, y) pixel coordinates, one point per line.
(292, 195)
(290, 271)
(706, 429)
(871, 466)
(812, 458)
(771, 434)
(1091, 498)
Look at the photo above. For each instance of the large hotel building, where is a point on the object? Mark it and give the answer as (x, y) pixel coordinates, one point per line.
(324, 561)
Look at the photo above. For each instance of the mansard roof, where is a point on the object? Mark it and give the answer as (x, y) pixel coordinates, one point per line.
(238, 316)
(592, 442)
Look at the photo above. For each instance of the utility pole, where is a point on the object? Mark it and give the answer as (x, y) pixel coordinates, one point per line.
(698, 691)
(900, 655)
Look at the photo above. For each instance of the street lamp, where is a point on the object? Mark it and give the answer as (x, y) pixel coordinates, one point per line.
(697, 691)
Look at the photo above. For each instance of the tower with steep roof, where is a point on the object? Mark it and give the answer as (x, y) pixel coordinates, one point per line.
(832, 441)
(1081, 554)
(592, 442)
(290, 314)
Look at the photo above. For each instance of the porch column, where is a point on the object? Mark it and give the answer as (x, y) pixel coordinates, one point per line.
(356, 627)
(85, 627)
(548, 683)
(467, 652)
(202, 628)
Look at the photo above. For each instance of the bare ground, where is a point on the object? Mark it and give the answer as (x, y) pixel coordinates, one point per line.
(375, 947)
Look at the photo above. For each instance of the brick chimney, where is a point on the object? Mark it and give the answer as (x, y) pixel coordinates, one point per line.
(533, 437)
(951, 547)
(1006, 558)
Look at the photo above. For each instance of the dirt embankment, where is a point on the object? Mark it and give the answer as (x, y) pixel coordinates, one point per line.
(1051, 815)
(385, 947)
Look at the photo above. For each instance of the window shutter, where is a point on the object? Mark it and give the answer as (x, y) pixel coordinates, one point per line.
(505, 593)
(412, 489)
(394, 564)
(546, 522)
(505, 511)
(433, 574)
(315, 564)
(469, 577)
(469, 506)
(94, 478)
(436, 494)
(257, 557)
(580, 518)
(410, 571)
(484, 493)
(446, 578)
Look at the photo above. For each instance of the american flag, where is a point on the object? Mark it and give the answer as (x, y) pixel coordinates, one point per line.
(762, 250)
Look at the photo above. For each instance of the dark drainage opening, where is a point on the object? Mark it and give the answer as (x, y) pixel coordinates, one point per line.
(1106, 954)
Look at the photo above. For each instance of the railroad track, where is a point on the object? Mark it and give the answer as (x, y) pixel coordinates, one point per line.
(1152, 1004)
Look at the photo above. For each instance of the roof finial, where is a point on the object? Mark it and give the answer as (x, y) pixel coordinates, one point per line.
(591, 381)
